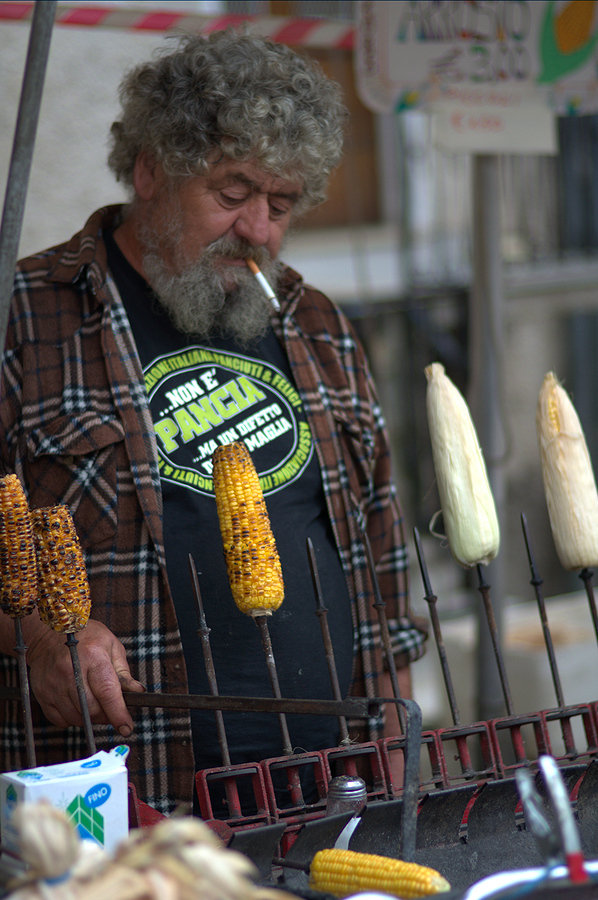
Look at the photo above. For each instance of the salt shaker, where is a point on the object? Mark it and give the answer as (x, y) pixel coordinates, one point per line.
(346, 793)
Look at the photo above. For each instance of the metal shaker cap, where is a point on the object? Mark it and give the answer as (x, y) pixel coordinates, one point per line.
(346, 793)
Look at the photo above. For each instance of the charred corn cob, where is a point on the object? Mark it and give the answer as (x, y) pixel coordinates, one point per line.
(466, 499)
(252, 560)
(345, 872)
(18, 569)
(569, 484)
(64, 601)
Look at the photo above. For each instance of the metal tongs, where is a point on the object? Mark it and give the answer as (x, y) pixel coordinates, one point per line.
(560, 845)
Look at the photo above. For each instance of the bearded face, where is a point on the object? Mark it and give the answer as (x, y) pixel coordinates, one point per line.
(204, 297)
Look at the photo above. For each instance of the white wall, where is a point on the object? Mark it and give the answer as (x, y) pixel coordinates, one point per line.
(69, 175)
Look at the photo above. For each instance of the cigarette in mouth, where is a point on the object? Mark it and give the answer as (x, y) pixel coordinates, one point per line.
(263, 283)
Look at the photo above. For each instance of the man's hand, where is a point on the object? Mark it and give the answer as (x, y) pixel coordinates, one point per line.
(104, 670)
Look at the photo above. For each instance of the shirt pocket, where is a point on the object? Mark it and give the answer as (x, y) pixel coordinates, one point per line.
(75, 460)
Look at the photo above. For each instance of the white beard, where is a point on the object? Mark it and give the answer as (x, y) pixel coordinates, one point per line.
(195, 297)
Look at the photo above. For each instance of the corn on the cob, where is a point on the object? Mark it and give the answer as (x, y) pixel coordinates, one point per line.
(345, 872)
(64, 601)
(18, 569)
(569, 483)
(466, 499)
(252, 560)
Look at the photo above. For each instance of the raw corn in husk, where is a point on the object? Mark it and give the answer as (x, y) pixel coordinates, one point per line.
(18, 567)
(252, 560)
(569, 483)
(466, 499)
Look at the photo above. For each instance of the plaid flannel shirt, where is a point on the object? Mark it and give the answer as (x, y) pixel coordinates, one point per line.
(76, 429)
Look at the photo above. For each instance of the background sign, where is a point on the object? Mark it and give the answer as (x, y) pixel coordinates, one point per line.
(410, 54)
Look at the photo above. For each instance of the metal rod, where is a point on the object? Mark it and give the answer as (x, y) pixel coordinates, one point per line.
(204, 636)
(586, 576)
(72, 642)
(431, 599)
(380, 607)
(262, 624)
(22, 151)
(322, 613)
(536, 583)
(484, 590)
(352, 707)
(25, 696)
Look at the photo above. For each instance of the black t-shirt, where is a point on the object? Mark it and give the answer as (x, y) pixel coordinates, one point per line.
(202, 394)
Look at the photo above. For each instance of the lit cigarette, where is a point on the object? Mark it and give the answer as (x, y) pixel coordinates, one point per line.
(265, 286)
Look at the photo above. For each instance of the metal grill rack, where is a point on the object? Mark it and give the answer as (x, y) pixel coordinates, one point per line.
(458, 807)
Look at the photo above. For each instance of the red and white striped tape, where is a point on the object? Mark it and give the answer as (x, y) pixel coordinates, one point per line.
(316, 33)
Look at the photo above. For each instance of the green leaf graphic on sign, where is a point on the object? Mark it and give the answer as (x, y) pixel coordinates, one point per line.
(555, 63)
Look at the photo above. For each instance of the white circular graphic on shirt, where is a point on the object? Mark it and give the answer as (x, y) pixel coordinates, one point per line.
(201, 398)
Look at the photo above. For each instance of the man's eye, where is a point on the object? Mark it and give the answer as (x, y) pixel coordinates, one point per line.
(233, 199)
(278, 210)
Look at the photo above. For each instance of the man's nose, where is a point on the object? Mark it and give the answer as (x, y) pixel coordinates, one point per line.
(253, 221)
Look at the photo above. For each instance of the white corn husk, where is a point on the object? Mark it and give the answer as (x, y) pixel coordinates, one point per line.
(466, 499)
(569, 483)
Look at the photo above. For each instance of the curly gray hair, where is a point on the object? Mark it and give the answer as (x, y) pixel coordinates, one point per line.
(238, 95)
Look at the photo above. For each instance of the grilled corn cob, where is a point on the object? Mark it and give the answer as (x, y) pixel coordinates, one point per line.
(18, 570)
(252, 560)
(466, 499)
(64, 602)
(569, 484)
(345, 872)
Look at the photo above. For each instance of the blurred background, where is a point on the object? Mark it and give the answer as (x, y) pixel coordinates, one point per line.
(393, 246)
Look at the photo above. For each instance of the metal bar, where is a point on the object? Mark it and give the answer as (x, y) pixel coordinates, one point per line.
(72, 642)
(22, 152)
(352, 707)
(322, 613)
(484, 590)
(431, 599)
(380, 607)
(536, 583)
(413, 733)
(23, 692)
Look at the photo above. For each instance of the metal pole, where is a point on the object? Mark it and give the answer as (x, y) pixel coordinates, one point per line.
(486, 354)
(22, 151)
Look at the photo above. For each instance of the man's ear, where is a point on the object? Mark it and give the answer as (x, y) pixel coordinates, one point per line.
(146, 175)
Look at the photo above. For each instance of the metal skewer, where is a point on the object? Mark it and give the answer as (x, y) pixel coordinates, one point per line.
(431, 599)
(380, 607)
(204, 635)
(484, 590)
(536, 582)
(230, 785)
(262, 624)
(21, 650)
(586, 576)
(71, 642)
(322, 613)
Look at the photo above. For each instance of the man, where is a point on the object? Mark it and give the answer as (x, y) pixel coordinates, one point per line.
(145, 342)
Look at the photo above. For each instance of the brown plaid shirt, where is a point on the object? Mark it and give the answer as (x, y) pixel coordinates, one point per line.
(77, 430)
